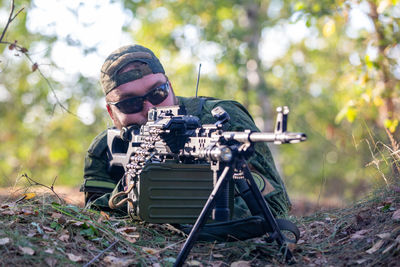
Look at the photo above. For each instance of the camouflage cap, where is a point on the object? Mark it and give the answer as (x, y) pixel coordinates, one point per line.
(111, 77)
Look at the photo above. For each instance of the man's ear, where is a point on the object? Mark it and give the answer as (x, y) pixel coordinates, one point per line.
(110, 111)
(172, 91)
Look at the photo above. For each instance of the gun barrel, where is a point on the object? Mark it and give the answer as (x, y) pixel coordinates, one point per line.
(281, 138)
(254, 137)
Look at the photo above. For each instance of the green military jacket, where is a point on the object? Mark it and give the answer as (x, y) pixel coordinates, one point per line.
(99, 184)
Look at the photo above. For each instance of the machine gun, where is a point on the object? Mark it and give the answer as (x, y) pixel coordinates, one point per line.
(171, 136)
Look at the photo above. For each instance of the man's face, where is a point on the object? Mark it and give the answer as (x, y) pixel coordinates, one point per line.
(137, 87)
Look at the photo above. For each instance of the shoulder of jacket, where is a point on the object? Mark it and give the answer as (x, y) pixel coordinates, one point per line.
(99, 144)
(229, 105)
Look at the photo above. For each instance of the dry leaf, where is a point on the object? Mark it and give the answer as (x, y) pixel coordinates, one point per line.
(49, 250)
(27, 250)
(358, 234)
(4, 241)
(7, 205)
(74, 258)
(361, 261)
(131, 238)
(51, 262)
(306, 259)
(389, 248)
(8, 212)
(75, 223)
(292, 246)
(218, 256)
(193, 263)
(316, 224)
(396, 215)
(64, 237)
(126, 229)
(375, 247)
(240, 264)
(120, 262)
(35, 66)
(48, 229)
(217, 264)
(32, 234)
(105, 215)
(29, 195)
(56, 215)
(151, 251)
(25, 196)
(27, 211)
(384, 235)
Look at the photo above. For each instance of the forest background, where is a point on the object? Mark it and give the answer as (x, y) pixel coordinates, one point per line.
(334, 63)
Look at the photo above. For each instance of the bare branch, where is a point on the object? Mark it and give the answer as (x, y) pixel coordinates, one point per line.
(51, 87)
(19, 11)
(8, 21)
(24, 51)
(32, 182)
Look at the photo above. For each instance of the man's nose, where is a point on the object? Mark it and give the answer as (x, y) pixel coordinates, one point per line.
(147, 106)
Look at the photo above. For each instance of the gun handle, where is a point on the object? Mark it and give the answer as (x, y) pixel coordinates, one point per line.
(281, 119)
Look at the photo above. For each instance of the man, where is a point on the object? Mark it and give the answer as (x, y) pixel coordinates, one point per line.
(134, 81)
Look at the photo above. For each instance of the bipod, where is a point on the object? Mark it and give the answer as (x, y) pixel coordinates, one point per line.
(261, 207)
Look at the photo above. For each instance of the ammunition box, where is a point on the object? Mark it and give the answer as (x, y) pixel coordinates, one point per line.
(174, 193)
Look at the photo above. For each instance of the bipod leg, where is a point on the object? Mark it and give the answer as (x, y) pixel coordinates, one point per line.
(205, 213)
(265, 211)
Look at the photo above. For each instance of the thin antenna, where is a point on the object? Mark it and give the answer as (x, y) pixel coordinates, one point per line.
(198, 80)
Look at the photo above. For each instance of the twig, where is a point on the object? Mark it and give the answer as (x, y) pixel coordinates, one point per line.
(51, 188)
(171, 246)
(376, 163)
(101, 253)
(323, 180)
(24, 51)
(10, 19)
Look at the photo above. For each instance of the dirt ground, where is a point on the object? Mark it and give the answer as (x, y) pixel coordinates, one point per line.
(70, 194)
(41, 232)
(301, 206)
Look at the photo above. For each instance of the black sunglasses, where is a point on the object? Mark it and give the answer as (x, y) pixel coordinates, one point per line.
(135, 104)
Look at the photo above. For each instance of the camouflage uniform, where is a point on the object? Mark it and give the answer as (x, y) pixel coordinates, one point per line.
(99, 184)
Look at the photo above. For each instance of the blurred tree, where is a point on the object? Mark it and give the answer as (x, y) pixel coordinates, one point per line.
(328, 71)
(339, 79)
(40, 132)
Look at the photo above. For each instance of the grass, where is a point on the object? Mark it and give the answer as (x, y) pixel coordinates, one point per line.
(42, 232)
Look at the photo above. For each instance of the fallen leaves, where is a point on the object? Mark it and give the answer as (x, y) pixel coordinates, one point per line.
(74, 258)
(359, 234)
(240, 264)
(4, 241)
(193, 263)
(116, 261)
(26, 196)
(64, 236)
(126, 232)
(386, 239)
(26, 250)
(10, 209)
(396, 215)
(375, 247)
(151, 251)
